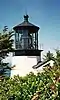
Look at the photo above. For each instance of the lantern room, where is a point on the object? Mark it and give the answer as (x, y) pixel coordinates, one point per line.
(26, 36)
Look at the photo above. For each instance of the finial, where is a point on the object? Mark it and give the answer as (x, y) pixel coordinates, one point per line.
(26, 16)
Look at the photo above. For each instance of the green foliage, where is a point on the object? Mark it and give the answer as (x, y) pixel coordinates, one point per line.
(5, 46)
(23, 88)
(5, 41)
(48, 56)
(57, 58)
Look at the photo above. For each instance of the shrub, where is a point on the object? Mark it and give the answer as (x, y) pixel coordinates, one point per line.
(24, 88)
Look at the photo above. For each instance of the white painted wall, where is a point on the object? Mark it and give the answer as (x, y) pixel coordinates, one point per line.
(23, 65)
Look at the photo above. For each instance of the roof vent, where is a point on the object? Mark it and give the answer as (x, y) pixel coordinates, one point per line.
(26, 18)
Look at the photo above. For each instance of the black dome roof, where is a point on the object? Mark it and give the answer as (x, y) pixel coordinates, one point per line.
(26, 25)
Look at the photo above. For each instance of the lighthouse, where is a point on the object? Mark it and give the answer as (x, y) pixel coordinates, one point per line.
(27, 53)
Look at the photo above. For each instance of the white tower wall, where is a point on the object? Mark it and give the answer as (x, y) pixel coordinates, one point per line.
(23, 65)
